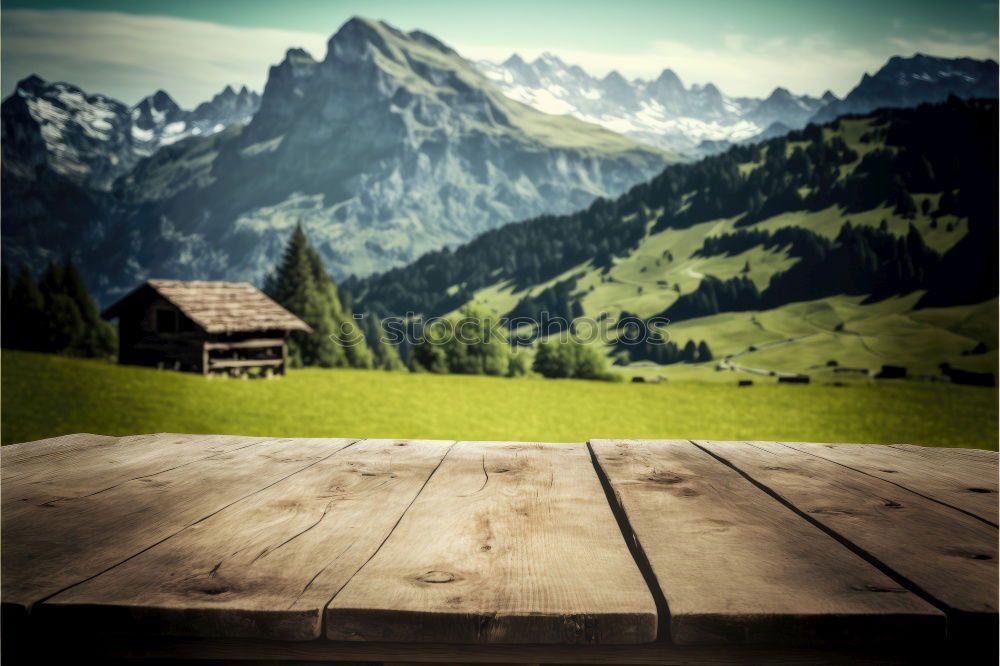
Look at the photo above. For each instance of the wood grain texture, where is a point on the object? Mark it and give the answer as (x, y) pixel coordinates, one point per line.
(967, 483)
(74, 465)
(735, 566)
(945, 454)
(507, 543)
(949, 556)
(266, 566)
(15, 454)
(90, 513)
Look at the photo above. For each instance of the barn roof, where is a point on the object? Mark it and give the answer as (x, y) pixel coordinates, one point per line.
(218, 307)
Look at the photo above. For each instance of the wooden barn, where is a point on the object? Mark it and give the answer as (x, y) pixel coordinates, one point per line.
(207, 327)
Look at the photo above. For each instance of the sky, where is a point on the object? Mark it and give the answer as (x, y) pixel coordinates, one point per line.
(193, 48)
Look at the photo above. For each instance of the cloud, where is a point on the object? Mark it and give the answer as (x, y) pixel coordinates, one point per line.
(130, 56)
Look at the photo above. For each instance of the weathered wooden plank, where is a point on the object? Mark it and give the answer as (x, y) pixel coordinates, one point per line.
(964, 483)
(84, 464)
(947, 555)
(266, 566)
(948, 455)
(81, 521)
(253, 343)
(508, 542)
(241, 363)
(15, 454)
(735, 566)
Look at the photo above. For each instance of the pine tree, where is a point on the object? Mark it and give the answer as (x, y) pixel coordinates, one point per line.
(6, 314)
(384, 354)
(63, 322)
(343, 342)
(27, 314)
(97, 337)
(301, 285)
(293, 287)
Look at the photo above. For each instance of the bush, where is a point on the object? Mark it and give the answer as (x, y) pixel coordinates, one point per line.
(570, 359)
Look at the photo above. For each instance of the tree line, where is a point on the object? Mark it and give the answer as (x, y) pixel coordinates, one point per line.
(554, 308)
(54, 314)
(663, 352)
(469, 342)
(862, 260)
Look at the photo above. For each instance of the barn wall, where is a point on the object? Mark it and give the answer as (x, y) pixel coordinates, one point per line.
(140, 343)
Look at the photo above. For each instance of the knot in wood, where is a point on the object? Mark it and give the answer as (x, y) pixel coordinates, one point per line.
(436, 577)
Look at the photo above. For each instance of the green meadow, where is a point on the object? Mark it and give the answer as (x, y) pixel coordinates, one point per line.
(44, 396)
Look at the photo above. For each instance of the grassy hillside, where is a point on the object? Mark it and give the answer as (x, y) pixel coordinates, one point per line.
(894, 217)
(44, 396)
(853, 334)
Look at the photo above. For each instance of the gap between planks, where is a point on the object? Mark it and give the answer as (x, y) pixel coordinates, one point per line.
(736, 567)
(485, 555)
(636, 550)
(968, 490)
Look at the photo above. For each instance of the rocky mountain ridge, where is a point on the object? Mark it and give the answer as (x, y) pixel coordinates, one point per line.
(662, 111)
(93, 139)
(701, 120)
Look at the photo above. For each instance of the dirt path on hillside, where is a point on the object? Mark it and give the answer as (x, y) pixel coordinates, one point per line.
(844, 331)
(727, 364)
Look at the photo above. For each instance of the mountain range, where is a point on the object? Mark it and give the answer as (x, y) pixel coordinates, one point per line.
(389, 147)
(91, 140)
(907, 82)
(702, 120)
(662, 112)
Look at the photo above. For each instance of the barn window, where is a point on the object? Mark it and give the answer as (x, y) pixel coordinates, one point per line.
(166, 321)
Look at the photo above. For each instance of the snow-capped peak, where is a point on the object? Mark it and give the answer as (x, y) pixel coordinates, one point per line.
(661, 111)
(93, 139)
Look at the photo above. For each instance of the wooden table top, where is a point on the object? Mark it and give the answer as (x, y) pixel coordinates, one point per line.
(630, 545)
